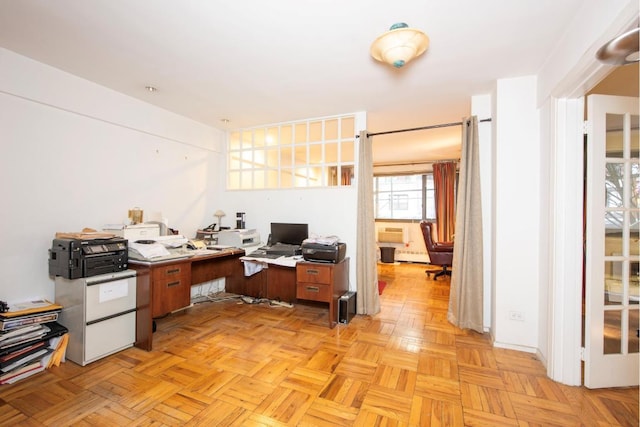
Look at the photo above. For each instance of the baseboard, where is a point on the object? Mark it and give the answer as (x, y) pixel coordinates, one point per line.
(522, 348)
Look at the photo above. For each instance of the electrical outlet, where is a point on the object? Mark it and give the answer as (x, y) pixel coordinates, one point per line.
(516, 315)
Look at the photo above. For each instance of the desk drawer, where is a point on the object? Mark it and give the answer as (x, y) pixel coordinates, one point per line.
(316, 273)
(171, 289)
(171, 272)
(313, 292)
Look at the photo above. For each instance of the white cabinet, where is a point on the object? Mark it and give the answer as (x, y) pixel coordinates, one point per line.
(100, 314)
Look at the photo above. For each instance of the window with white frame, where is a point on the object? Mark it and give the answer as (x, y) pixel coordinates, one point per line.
(310, 153)
(405, 197)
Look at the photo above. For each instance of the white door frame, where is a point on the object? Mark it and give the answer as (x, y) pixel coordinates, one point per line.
(564, 360)
(566, 251)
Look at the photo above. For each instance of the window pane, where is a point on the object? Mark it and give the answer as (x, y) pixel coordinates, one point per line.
(331, 153)
(613, 286)
(258, 138)
(430, 197)
(348, 128)
(234, 161)
(315, 131)
(258, 159)
(271, 159)
(634, 325)
(399, 197)
(612, 333)
(315, 154)
(300, 179)
(300, 155)
(246, 159)
(286, 135)
(285, 157)
(245, 180)
(332, 175)
(346, 175)
(613, 222)
(234, 141)
(286, 178)
(272, 137)
(246, 140)
(301, 133)
(272, 179)
(331, 129)
(315, 177)
(258, 179)
(635, 187)
(346, 152)
(614, 140)
(614, 183)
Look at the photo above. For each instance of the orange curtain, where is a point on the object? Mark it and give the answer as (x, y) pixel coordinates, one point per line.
(444, 179)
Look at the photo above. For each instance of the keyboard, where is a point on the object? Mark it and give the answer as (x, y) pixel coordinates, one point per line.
(284, 249)
(261, 253)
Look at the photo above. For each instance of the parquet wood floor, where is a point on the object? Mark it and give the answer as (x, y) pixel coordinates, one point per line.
(233, 364)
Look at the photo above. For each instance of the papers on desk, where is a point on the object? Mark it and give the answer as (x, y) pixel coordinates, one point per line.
(171, 241)
(148, 250)
(322, 240)
(285, 261)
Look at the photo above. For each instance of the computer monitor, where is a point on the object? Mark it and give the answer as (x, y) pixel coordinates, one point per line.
(292, 234)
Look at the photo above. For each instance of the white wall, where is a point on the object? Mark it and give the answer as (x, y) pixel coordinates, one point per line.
(77, 155)
(327, 211)
(517, 213)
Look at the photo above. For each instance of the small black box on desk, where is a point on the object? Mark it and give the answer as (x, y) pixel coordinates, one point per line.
(346, 307)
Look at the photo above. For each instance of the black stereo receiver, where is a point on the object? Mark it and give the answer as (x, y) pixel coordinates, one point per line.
(76, 258)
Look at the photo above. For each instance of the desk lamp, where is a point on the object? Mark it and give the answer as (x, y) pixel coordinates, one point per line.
(219, 214)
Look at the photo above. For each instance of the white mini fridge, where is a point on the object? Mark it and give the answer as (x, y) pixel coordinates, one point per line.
(100, 314)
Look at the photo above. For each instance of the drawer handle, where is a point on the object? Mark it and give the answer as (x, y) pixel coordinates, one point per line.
(312, 271)
(312, 288)
(173, 284)
(175, 270)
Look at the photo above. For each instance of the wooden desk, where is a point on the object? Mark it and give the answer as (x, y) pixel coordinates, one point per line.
(308, 281)
(164, 287)
(275, 282)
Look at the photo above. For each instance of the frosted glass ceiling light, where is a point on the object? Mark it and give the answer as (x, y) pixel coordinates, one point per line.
(399, 45)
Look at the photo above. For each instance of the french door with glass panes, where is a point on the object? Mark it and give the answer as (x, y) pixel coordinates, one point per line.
(611, 249)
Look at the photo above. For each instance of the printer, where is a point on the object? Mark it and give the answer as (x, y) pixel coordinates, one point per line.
(239, 238)
(76, 258)
(332, 252)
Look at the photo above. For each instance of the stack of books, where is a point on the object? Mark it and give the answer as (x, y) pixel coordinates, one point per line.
(30, 340)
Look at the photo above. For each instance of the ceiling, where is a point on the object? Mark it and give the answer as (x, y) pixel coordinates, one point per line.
(257, 62)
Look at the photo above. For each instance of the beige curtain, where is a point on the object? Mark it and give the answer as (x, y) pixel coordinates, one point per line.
(368, 301)
(444, 182)
(465, 296)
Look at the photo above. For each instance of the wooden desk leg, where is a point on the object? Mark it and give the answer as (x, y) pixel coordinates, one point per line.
(144, 322)
(333, 318)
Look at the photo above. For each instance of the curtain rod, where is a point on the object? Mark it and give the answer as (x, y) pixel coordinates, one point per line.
(426, 162)
(420, 128)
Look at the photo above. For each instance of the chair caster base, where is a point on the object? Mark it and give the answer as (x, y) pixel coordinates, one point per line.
(442, 273)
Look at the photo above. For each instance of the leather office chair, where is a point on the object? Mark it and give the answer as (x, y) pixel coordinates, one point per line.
(439, 253)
